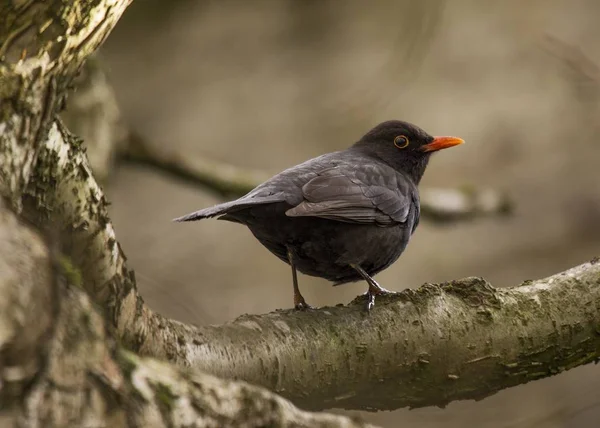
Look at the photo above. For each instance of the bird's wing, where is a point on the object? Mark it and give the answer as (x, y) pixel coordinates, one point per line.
(363, 194)
(283, 187)
(230, 207)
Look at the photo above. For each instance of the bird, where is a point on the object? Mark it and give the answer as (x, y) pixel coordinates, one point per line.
(343, 216)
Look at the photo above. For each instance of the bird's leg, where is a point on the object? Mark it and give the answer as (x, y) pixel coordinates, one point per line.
(374, 288)
(299, 302)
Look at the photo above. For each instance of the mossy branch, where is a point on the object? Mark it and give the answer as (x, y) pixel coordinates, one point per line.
(42, 45)
(60, 367)
(444, 342)
(458, 340)
(426, 347)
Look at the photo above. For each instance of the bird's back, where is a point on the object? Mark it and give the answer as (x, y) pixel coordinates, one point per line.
(289, 182)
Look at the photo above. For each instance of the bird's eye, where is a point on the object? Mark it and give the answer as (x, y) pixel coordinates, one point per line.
(401, 141)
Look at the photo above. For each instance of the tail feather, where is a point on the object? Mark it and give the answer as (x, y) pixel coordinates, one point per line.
(206, 212)
(228, 207)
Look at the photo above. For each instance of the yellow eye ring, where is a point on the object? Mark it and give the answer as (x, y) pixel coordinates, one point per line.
(401, 141)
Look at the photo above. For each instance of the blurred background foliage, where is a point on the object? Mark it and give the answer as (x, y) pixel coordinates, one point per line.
(266, 84)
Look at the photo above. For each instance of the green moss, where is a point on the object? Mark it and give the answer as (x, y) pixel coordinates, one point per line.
(70, 271)
(164, 395)
(9, 86)
(128, 362)
(474, 291)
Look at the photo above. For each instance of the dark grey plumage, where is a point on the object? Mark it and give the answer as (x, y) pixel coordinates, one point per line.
(343, 216)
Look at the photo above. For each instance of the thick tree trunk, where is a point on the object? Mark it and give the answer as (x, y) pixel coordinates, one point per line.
(60, 368)
(42, 45)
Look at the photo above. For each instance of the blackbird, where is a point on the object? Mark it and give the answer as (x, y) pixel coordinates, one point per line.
(343, 216)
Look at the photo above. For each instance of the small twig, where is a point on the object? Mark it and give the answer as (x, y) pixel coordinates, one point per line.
(573, 57)
(227, 180)
(437, 204)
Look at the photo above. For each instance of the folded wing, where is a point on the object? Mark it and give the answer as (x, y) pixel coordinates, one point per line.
(364, 195)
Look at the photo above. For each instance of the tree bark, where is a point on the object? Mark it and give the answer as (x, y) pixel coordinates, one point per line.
(43, 44)
(60, 367)
(442, 342)
(457, 340)
(422, 347)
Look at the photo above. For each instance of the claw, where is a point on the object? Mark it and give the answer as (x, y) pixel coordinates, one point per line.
(372, 292)
(370, 301)
(302, 306)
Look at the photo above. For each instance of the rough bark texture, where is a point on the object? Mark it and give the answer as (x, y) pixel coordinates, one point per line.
(59, 366)
(430, 346)
(42, 45)
(462, 339)
(442, 342)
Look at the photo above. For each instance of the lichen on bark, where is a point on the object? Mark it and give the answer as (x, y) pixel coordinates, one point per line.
(441, 342)
(421, 347)
(60, 366)
(42, 46)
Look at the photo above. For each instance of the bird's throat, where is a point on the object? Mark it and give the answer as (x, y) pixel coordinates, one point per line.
(415, 167)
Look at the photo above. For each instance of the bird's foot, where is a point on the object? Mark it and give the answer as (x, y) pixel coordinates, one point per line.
(370, 301)
(379, 291)
(299, 302)
(302, 306)
(372, 293)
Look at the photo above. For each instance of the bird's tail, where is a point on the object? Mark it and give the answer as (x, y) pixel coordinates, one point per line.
(206, 212)
(228, 207)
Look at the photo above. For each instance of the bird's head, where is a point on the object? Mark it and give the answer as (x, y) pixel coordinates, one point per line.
(403, 146)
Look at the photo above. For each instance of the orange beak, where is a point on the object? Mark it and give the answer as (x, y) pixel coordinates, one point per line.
(440, 143)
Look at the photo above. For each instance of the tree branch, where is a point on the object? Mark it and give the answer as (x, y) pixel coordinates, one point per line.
(429, 346)
(440, 204)
(43, 45)
(443, 342)
(93, 114)
(59, 366)
(575, 60)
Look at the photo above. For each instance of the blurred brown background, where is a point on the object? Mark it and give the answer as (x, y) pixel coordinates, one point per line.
(267, 84)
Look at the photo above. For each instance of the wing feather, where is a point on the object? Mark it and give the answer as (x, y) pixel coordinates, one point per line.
(365, 195)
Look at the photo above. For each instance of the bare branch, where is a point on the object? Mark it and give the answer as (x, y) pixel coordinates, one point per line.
(224, 179)
(576, 61)
(440, 204)
(442, 342)
(453, 204)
